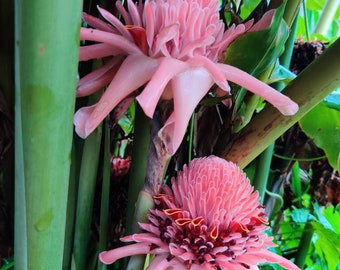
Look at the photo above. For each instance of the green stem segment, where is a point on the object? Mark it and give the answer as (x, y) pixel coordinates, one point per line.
(327, 16)
(305, 241)
(46, 72)
(308, 89)
(87, 183)
(138, 169)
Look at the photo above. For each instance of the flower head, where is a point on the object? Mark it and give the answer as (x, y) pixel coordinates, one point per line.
(210, 219)
(172, 47)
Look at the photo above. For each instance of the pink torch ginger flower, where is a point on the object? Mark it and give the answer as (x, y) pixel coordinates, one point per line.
(210, 219)
(174, 48)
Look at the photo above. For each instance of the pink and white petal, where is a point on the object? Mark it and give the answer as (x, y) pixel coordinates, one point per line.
(97, 23)
(97, 51)
(98, 78)
(215, 72)
(115, 40)
(135, 71)
(168, 68)
(274, 258)
(108, 257)
(80, 120)
(283, 103)
(86, 89)
(134, 13)
(126, 16)
(116, 23)
(189, 88)
(165, 35)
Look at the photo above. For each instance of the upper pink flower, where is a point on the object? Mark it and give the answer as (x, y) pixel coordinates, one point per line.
(210, 219)
(174, 48)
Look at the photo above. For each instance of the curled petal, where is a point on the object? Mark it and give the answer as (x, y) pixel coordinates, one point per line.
(98, 78)
(135, 71)
(116, 23)
(113, 255)
(113, 39)
(80, 120)
(198, 81)
(97, 23)
(97, 51)
(283, 103)
(168, 68)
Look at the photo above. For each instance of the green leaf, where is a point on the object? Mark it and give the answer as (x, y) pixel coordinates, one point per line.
(255, 52)
(323, 125)
(329, 243)
(333, 217)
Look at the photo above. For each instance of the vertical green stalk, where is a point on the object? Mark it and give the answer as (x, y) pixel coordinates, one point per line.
(104, 205)
(305, 241)
(327, 16)
(262, 171)
(87, 183)
(47, 37)
(141, 144)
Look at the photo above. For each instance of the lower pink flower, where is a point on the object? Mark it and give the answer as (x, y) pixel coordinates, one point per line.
(210, 219)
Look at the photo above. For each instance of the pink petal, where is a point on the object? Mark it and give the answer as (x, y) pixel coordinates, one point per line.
(80, 120)
(97, 51)
(134, 13)
(188, 89)
(264, 22)
(274, 258)
(95, 80)
(135, 71)
(113, 255)
(116, 23)
(160, 262)
(115, 40)
(97, 23)
(168, 68)
(211, 67)
(283, 103)
(165, 35)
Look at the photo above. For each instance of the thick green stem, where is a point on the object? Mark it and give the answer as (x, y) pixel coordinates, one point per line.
(305, 241)
(327, 17)
(86, 187)
(138, 169)
(262, 171)
(104, 205)
(308, 89)
(46, 72)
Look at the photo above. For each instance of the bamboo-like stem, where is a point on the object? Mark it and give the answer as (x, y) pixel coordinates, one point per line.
(304, 244)
(87, 182)
(138, 168)
(104, 205)
(46, 72)
(265, 158)
(308, 89)
(291, 11)
(262, 171)
(327, 16)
